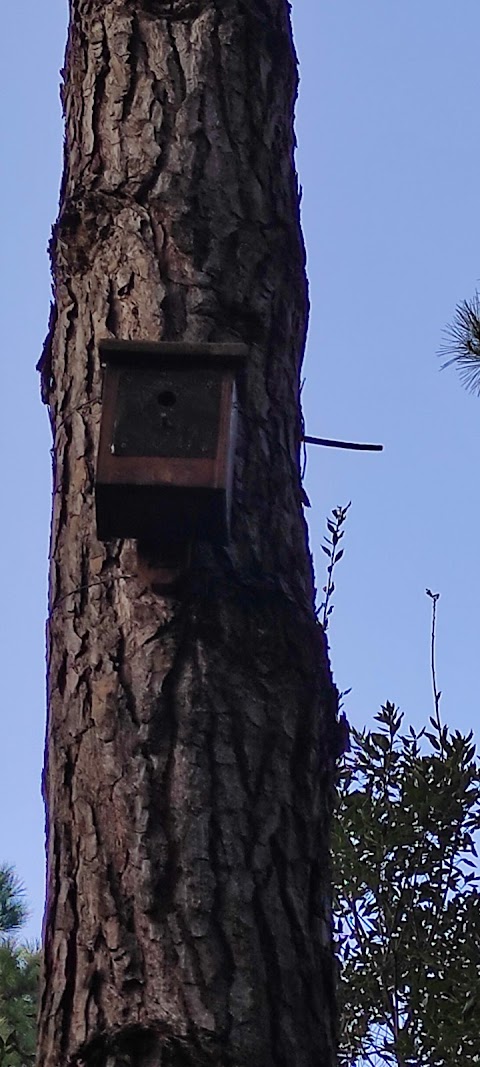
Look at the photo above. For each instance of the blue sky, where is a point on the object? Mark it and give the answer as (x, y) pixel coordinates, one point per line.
(388, 161)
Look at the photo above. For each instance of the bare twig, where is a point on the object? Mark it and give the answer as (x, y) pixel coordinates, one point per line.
(341, 444)
(91, 585)
(434, 597)
(80, 407)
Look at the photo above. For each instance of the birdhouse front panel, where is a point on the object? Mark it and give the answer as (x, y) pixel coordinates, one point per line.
(168, 412)
(167, 440)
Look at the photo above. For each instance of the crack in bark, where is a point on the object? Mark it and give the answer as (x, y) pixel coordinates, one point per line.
(275, 980)
(224, 984)
(135, 48)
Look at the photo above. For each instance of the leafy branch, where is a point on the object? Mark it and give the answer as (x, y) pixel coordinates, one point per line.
(335, 528)
(19, 974)
(407, 890)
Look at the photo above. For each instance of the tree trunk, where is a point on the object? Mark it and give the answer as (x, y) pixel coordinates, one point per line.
(191, 736)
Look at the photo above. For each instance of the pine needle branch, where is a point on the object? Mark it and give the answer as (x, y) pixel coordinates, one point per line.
(461, 344)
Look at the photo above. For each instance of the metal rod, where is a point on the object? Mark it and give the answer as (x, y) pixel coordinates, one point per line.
(342, 444)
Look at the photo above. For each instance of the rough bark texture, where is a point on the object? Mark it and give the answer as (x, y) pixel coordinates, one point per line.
(191, 737)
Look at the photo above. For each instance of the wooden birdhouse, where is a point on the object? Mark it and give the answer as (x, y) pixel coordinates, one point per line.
(167, 440)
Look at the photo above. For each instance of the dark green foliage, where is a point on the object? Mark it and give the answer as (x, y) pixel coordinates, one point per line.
(406, 887)
(13, 910)
(19, 971)
(407, 898)
(461, 343)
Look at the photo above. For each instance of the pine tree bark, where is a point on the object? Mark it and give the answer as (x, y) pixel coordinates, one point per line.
(191, 736)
